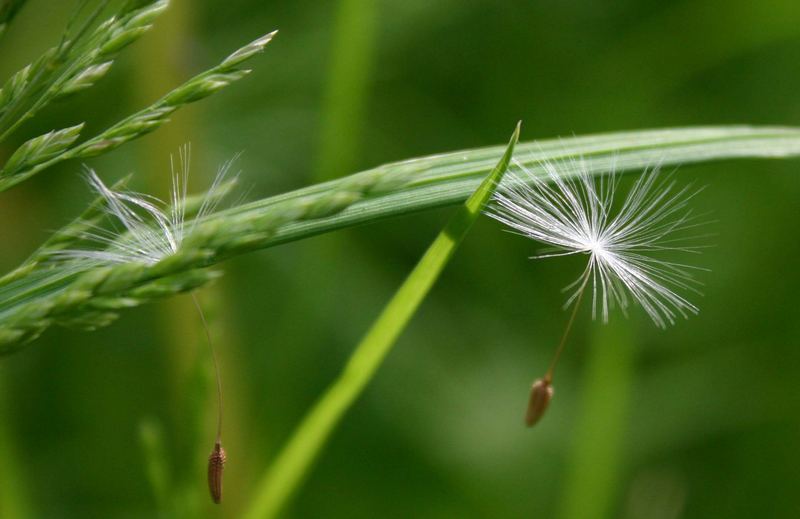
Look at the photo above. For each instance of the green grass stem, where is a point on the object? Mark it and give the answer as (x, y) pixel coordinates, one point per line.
(15, 501)
(346, 90)
(597, 453)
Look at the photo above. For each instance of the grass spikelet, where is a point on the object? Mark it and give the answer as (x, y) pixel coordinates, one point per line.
(83, 56)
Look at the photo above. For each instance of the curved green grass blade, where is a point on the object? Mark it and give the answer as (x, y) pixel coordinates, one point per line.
(90, 299)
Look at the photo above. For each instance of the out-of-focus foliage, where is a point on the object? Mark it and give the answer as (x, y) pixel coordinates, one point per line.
(698, 421)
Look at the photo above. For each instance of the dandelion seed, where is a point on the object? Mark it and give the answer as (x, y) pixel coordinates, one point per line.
(575, 213)
(152, 230)
(539, 399)
(216, 465)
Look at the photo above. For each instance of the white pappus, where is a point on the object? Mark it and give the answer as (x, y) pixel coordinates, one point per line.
(144, 228)
(568, 208)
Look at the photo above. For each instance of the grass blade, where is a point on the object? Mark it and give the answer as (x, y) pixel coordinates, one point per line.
(282, 479)
(56, 296)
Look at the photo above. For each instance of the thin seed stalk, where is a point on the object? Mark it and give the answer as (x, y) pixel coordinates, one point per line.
(560, 349)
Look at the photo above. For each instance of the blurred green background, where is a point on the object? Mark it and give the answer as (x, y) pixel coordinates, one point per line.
(697, 421)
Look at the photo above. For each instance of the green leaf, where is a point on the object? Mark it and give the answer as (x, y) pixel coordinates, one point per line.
(292, 465)
(444, 179)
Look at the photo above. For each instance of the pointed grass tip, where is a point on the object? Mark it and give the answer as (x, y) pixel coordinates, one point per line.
(541, 394)
(216, 464)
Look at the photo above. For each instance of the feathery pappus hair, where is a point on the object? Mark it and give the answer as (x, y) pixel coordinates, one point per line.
(144, 228)
(562, 205)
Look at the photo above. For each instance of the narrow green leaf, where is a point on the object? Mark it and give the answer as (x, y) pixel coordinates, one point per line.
(293, 463)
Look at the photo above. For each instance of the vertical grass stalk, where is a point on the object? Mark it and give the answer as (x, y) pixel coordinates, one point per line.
(597, 454)
(346, 91)
(14, 500)
(293, 463)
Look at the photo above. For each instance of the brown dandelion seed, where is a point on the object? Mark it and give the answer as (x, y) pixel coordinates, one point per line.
(541, 393)
(216, 460)
(216, 464)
